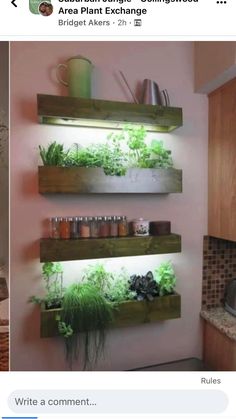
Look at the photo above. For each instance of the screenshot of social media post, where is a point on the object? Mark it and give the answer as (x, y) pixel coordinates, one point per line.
(122, 227)
(117, 209)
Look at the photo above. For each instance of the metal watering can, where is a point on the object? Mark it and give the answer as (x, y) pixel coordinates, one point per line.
(151, 94)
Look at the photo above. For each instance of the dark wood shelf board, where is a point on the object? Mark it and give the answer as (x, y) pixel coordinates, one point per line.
(80, 180)
(52, 250)
(127, 314)
(72, 111)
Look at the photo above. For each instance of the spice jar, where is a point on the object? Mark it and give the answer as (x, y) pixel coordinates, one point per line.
(64, 228)
(94, 227)
(104, 230)
(114, 227)
(54, 228)
(140, 227)
(74, 231)
(85, 228)
(122, 226)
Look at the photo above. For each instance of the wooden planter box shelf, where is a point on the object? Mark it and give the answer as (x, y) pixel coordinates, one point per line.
(73, 111)
(81, 180)
(128, 313)
(52, 250)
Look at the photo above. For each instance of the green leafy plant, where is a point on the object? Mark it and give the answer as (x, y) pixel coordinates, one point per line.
(121, 151)
(165, 278)
(119, 288)
(87, 314)
(99, 277)
(161, 156)
(53, 155)
(53, 280)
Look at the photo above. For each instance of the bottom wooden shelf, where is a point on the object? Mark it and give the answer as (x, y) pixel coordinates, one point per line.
(127, 313)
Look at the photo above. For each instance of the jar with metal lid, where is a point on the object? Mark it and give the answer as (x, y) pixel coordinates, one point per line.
(64, 228)
(85, 228)
(122, 226)
(94, 227)
(54, 228)
(114, 226)
(104, 227)
(74, 231)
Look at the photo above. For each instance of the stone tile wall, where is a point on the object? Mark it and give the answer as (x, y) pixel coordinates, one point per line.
(219, 267)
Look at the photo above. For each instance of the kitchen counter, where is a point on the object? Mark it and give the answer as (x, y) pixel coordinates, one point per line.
(222, 320)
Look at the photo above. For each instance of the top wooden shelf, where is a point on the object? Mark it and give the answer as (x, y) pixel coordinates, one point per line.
(72, 111)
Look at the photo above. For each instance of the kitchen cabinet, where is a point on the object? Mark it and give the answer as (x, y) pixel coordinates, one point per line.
(219, 352)
(222, 162)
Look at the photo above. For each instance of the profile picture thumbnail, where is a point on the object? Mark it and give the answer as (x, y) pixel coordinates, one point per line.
(45, 8)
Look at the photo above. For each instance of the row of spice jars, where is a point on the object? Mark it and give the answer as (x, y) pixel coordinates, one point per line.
(88, 227)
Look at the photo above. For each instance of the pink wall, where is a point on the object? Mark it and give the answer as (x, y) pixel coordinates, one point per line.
(32, 72)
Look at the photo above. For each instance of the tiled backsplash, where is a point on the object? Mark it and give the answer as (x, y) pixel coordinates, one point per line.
(219, 267)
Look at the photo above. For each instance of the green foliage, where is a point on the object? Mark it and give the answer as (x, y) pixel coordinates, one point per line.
(119, 288)
(64, 329)
(108, 156)
(53, 280)
(114, 286)
(162, 157)
(84, 157)
(85, 311)
(98, 276)
(53, 155)
(121, 151)
(165, 278)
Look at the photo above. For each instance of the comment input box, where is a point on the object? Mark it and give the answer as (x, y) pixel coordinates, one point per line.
(118, 401)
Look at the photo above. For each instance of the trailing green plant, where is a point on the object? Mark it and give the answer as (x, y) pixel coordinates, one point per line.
(165, 278)
(86, 315)
(53, 280)
(53, 155)
(121, 151)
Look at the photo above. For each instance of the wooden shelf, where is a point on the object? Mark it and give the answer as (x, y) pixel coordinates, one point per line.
(128, 313)
(71, 111)
(52, 250)
(80, 180)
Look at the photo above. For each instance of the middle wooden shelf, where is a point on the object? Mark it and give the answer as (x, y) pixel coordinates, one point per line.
(52, 250)
(82, 180)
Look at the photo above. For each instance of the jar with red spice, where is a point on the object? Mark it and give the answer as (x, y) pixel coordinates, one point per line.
(64, 228)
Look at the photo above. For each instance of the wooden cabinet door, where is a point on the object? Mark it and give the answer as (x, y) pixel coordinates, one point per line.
(222, 162)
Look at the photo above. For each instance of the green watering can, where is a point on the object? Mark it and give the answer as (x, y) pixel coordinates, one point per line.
(79, 74)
